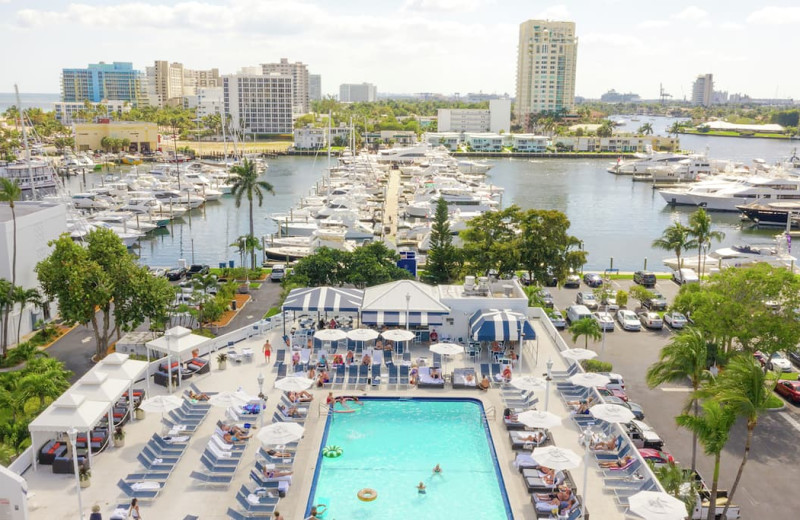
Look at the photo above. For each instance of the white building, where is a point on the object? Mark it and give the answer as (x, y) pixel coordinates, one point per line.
(314, 87)
(169, 83)
(357, 93)
(703, 90)
(37, 224)
(450, 140)
(259, 103)
(485, 142)
(309, 138)
(65, 111)
(300, 88)
(13, 495)
(207, 101)
(547, 55)
(398, 137)
(495, 119)
(500, 115)
(530, 143)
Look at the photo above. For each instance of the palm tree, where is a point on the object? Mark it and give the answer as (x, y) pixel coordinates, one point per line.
(245, 182)
(678, 483)
(686, 356)
(10, 396)
(10, 192)
(700, 225)
(713, 429)
(40, 385)
(645, 129)
(745, 389)
(24, 297)
(586, 327)
(677, 238)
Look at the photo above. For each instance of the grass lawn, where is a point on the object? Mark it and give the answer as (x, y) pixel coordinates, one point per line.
(218, 147)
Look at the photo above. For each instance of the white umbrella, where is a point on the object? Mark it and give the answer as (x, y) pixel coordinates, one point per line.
(161, 403)
(280, 433)
(655, 505)
(226, 399)
(294, 384)
(330, 335)
(528, 383)
(612, 413)
(447, 349)
(579, 354)
(362, 334)
(556, 458)
(539, 419)
(589, 379)
(398, 335)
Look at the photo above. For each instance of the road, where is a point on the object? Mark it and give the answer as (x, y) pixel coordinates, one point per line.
(773, 468)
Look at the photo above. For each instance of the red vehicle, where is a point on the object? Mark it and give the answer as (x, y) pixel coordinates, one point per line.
(614, 392)
(760, 357)
(789, 389)
(657, 457)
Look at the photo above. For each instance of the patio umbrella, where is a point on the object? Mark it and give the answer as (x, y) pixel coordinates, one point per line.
(330, 335)
(556, 458)
(589, 379)
(612, 413)
(294, 383)
(539, 419)
(447, 349)
(655, 505)
(226, 399)
(398, 335)
(161, 403)
(362, 334)
(528, 383)
(280, 433)
(579, 354)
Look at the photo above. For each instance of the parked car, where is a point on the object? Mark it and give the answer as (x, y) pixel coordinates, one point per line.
(577, 312)
(525, 279)
(789, 389)
(615, 380)
(659, 458)
(643, 436)
(557, 319)
(278, 272)
(685, 275)
(651, 320)
(609, 302)
(675, 319)
(656, 302)
(645, 278)
(637, 410)
(604, 320)
(197, 270)
(794, 357)
(592, 279)
(777, 361)
(157, 271)
(587, 299)
(573, 281)
(547, 298)
(628, 320)
(612, 392)
(175, 274)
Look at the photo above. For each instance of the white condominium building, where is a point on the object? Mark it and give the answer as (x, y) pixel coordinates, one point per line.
(66, 112)
(169, 83)
(299, 73)
(703, 90)
(547, 56)
(259, 103)
(314, 87)
(358, 93)
(496, 119)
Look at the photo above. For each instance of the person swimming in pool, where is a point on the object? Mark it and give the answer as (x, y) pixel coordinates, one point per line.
(421, 488)
(437, 469)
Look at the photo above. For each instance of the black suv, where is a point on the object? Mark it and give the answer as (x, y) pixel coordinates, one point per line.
(175, 274)
(656, 303)
(645, 278)
(197, 269)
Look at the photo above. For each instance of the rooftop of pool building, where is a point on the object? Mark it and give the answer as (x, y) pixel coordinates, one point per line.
(391, 445)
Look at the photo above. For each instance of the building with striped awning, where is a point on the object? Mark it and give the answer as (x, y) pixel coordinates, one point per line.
(324, 299)
(499, 325)
(388, 304)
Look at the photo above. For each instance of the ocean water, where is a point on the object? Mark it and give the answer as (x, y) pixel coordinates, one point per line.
(392, 445)
(43, 101)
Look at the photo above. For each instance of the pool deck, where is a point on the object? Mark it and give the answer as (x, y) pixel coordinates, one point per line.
(53, 497)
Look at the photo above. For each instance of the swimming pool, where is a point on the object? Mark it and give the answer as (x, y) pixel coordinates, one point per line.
(391, 445)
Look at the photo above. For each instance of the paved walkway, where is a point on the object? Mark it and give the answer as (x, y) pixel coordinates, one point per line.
(391, 204)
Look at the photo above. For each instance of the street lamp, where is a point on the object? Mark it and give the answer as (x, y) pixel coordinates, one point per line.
(549, 378)
(260, 380)
(72, 433)
(408, 304)
(586, 440)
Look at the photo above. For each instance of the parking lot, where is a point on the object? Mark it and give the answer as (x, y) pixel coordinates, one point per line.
(773, 467)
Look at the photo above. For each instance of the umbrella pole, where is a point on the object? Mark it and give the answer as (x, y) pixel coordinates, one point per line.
(130, 402)
(89, 445)
(587, 437)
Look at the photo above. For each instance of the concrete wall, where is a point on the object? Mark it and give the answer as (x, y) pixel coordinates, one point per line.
(13, 496)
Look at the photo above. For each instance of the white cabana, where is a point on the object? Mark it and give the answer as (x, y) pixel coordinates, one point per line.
(404, 302)
(175, 342)
(68, 411)
(120, 366)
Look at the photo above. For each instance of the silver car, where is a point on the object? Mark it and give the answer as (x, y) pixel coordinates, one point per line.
(604, 320)
(651, 320)
(628, 320)
(675, 319)
(587, 299)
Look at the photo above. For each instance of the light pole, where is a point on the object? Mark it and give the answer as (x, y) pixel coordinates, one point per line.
(72, 433)
(549, 378)
(408, 305)
(586, 439)
(260, 380)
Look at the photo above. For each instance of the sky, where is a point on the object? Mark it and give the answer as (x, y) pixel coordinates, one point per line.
(411, 46)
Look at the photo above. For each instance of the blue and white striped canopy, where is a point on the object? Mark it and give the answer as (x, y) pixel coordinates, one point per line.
(499, 325)
(399, 318)
(331, 299)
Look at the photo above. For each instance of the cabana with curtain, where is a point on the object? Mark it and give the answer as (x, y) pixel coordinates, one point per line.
(120, 366)
(322, 299)
(391, 303)
(175, 343)
(500, 325)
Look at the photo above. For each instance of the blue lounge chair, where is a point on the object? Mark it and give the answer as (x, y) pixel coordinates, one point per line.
(393, 374)
(376, 375)
(151, 455)
(280, 357)
(404, 378)
(352, 375)
(485, 370)
(339, 376)
(212, 468)
(387, 357)
(214, 480)
(363, 374)
(437, 360)
(259, 479)
(141, 494)
(147, 475)
(257, 508)
(151, 465)
(282, 371)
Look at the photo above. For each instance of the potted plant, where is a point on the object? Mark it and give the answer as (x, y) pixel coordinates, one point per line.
(138, 413)
(84, 476)
(222, 359)
(119, 437)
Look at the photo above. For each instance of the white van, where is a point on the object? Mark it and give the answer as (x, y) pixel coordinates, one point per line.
(685, 275)
(578, 312)
(278, 272)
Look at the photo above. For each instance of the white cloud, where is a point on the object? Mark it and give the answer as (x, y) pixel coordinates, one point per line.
(692, 13)
(610, 40)
(775, 16)
(442, 5)
(653, 24)
(555, 12)
(731, 26)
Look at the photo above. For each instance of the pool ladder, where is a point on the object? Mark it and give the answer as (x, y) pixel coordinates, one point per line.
(323, 409)
(490, 412)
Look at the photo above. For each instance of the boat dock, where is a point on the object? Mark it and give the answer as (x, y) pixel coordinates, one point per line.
(390, 210)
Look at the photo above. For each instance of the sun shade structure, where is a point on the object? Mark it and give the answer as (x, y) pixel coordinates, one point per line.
(499, 325)
(328, 299)
(161, 403)
(589, 379)
(330, 335)
(539, 419)
(612, 413)
(175, 343)
(447, 349)
(528, 383)
(391, 303)
(280, 433)
(579, 354)
(556, 458)
(656, 505)
(294, 383)
(398, 335)
(362, 334)
(226, 399)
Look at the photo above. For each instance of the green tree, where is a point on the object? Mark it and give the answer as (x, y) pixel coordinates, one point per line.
(684, 357)
(645, 129)
(11, 395)
(489, 241)
(588, 328)
(373, 264)
(700, 225)
(712, 428)
(606, 129)
(745, 389)
(638, 292)
(10, 192)
(678, 483)
(23, 297)
(325, 267)
(677, 238)
(245, 182)
(544, 245)
(442, 265)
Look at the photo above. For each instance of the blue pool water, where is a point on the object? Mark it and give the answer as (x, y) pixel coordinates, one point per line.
(390, 445)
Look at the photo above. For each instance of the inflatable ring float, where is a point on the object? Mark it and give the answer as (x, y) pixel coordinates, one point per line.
(321, 510)
(367, 495)
(332, 452)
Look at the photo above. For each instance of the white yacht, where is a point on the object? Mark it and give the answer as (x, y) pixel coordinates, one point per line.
(642, 162)
(89, 201)
(42, 174)
(725, 194)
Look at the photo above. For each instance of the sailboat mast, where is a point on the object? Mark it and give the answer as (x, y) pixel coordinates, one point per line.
(25, 143)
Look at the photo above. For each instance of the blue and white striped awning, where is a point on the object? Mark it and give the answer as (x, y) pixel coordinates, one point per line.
(421, 319)
(499, 325)
(331, 299)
